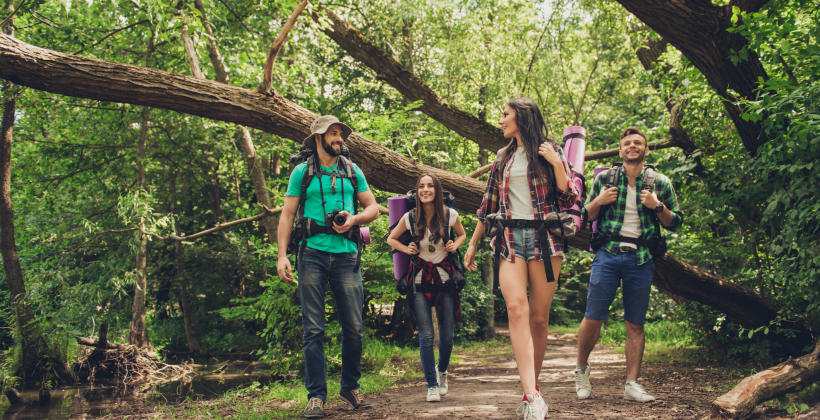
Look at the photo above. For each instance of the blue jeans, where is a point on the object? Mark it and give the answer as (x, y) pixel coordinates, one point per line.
(424, 318)
(607, 272)
(316, 269)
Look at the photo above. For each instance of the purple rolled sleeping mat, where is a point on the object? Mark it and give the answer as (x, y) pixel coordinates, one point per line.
(574, 148)
(364, 231)
(598, 170)
(396, 207)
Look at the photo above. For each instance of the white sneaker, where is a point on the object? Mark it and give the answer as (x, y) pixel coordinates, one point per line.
(441, 378)
(536, 409)
(634, 391)
(433, 394)
(582, 386)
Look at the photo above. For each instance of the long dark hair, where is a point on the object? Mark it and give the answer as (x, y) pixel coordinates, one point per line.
(438, 222)
(533, 132)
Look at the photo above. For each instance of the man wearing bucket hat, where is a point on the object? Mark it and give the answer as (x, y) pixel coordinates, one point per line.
(322, 195)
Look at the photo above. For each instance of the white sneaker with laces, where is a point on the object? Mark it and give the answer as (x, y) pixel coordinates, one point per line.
(433, 394)
(441, 378)
(633, 391)
(582, 386)
(536, 409)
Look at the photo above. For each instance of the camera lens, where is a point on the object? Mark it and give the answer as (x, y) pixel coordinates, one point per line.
(339, 219)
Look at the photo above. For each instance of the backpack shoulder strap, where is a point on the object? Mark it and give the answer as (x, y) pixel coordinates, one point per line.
(411, 218)
(310, 172)
(613, 174)
(649, 176)
(350, 173)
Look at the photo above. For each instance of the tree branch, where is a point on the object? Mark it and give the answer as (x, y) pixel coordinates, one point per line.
(266, 211)
(267, 79)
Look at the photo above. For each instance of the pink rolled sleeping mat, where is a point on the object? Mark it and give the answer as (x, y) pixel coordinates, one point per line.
(364, 231)
(396, 207)
(574, 148)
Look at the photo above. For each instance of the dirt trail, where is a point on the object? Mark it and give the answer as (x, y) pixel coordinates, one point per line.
(485, 386)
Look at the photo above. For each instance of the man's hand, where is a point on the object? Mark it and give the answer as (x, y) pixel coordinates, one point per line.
(283, 267)
(649, 200)
(348, 223)
(607, 196)
(469, 258)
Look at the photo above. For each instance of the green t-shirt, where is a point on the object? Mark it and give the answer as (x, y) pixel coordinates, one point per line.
(342, 199)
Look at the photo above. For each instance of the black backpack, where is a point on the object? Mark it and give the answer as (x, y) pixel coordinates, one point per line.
(305, 227)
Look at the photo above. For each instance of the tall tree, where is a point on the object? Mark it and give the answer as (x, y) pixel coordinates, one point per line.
(138, 333)
(699, 29)
(38, 362)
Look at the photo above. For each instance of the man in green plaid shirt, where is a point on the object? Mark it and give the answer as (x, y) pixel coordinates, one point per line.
(628, 215)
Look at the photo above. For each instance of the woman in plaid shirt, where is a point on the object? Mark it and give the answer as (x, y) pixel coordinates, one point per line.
(528, 180)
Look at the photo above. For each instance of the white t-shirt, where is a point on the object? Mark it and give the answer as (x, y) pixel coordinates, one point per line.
(439, 254)
(519, 193)
(632, 223)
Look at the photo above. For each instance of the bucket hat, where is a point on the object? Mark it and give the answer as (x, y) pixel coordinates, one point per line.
(322, 123)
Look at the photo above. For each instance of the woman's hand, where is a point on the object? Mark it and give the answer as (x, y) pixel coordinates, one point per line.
(469, 258)
(450, 246)
(547, 151)
(412, 249)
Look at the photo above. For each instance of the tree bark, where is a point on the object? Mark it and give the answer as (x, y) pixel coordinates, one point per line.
(407, 83)
(37, 360)
(138, 332)
(385, 169)
(788, 376)
(698, 30)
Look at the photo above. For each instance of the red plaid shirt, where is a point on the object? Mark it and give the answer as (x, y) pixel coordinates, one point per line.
(496, 199)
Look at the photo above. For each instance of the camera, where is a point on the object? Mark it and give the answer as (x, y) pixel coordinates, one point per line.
(337, 217)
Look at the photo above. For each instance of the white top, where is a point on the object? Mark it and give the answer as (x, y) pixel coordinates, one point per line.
(519, 193)
(632, 223)
(440, 253)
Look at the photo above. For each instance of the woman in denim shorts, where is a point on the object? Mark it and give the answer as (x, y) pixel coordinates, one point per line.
(527, 179)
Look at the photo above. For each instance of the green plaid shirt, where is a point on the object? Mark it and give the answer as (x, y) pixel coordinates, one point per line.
(611, 217)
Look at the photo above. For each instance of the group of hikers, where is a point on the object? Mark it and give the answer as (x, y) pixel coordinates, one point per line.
(529, 183)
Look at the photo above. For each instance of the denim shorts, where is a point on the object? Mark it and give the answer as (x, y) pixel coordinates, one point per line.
(524, 243)
(607, 272)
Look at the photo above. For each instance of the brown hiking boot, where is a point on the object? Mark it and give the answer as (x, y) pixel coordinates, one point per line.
(354, 397)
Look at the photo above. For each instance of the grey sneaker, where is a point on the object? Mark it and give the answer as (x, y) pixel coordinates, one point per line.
(537, 409)
(441, 378)
(433, 394)
(582, 386)
(633, 391)
(314, 409)
(354, 397)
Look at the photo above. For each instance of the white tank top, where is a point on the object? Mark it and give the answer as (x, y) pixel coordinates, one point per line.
(519, 193)
(632, 223)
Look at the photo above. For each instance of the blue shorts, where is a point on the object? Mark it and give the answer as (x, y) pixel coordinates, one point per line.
(607, 272)
(524, 243)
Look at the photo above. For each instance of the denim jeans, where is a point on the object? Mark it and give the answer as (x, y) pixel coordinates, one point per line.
(316, 269)
(607, 272)
(424, 319)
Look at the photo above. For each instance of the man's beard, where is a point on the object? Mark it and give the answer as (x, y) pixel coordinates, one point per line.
(635, 160)
(329, 149)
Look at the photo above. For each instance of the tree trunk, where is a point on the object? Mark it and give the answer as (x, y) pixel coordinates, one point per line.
(191, 337)
(407, 83)
(385, 169)
(698, 30)
(788, 376)
(488, 274)
(252, 161)
(37, 360)
(138, 333)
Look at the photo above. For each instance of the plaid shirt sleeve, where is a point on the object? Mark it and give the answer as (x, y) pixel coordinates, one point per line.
(597, 186)
(666, 194)
(489, 202)
(566, 198)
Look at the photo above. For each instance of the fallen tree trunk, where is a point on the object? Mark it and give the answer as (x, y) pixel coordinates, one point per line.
(385, 169)
(788, 376)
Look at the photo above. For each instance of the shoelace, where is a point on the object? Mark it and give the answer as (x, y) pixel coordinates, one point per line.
(314, 403)
(523, 409)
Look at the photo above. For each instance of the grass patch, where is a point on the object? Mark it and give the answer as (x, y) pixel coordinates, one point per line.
(383, 365)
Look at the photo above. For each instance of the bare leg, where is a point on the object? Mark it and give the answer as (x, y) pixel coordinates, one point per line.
(512, 278)
(588, 334)
(635, 340)
(541, 294)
